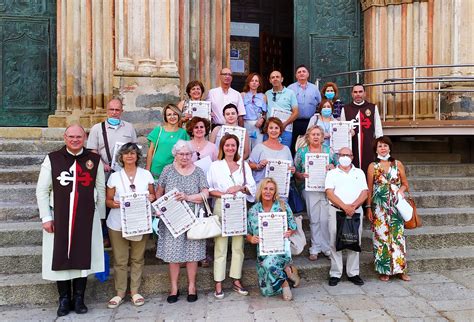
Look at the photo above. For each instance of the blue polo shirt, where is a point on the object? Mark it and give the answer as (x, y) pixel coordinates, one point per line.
(308, 99)
(284, 100)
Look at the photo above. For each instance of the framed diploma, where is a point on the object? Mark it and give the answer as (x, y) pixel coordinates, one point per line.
(315, 165)
(135, 214)
(271, 227)
(239, 132)
(200, 108)
(340, 135)
(234, 215)
(176, 215)
(283, 115)
(279, 170)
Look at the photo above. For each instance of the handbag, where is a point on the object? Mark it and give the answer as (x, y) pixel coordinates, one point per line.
(347, 233)
(294, 199)
(415, 220)
(206, 226)
(298, 239)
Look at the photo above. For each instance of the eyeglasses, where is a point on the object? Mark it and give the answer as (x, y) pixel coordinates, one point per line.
(345, 155)
(187, 155)
(226, 74)
(132, 187)
(274, 97)
(198, 155)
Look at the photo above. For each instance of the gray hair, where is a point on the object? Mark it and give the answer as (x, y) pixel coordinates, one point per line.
(127, 148)
(310, 129)
(180, 145)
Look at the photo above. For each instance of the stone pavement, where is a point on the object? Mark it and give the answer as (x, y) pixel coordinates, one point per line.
(443, 296)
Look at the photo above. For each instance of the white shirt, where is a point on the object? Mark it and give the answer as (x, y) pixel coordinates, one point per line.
(347, 185)
(143, 178)
(219, 100)
(220, 178)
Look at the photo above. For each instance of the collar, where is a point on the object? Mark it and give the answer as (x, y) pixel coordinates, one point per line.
(79, 153)
(279, 92)
(305, 86)
(341, 170)
(359, 104)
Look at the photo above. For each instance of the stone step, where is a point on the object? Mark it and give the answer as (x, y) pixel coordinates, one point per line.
(417, 157)
(32, 133)
(21, 175)
(20, 289)
(408, 147)
(16, 147)
(15, 160)
(24, 255)
(435, 170)
(17, 211)
(441, 183)
(440, 199)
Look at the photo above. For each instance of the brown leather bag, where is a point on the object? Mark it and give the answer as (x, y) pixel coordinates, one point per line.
(415, 220)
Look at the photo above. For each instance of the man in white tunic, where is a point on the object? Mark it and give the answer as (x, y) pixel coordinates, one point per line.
(71, 200)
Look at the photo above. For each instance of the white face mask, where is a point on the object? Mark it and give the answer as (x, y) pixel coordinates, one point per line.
(384, 158)
(345, 161)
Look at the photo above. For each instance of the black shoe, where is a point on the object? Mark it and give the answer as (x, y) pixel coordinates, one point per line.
(64, 290)
(333, 281)
(192, 298)
(356, 280)
(172, 298)
(64, 307)
(78, 290)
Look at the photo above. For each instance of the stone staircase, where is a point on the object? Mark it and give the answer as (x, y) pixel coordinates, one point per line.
(444, 193)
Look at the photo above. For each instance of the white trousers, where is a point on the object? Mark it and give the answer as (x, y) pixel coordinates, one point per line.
(318, 213)
(352, 263)
(254, 133)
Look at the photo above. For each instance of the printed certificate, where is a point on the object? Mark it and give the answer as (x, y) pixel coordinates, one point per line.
(271, 229)
(340, 135)
(234, 215)
(315, 165)
(283, 115)
(176, 215)
(237, 131)
(135, 214)
(279, 170)
(200, 108)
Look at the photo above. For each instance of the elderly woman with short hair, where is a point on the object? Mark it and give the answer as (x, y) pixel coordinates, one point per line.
(130, 179)
(190, 182)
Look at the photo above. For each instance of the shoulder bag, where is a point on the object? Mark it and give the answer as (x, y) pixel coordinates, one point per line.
(106, 143)
(415, 220)
(207, 226)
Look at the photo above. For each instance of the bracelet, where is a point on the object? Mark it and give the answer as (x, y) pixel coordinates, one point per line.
(367, 206)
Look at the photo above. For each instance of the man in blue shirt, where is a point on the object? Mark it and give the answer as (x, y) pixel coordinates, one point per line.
(308, 97)
(282, 103)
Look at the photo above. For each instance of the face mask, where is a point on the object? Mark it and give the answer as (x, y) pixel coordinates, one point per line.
(345, 161)
(326, 111)
(385, 158)
(113, 121)
(329, 95)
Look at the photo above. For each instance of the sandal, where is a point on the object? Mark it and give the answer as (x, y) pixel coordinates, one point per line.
(287, 295)
(219, 295)
(138, 300)
(294, 276)
(384, 278)
(404, 277)
(239, 289)
(115, 302)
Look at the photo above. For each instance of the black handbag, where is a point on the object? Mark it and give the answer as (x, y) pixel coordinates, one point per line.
(347, 236)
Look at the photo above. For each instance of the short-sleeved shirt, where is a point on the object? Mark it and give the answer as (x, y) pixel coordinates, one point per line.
(219, 100)
(262, 152)
(285, 100)
(124, 132)
(347, 185)
(121, 183)
(255, 106)
(167, 140)
(308, 99)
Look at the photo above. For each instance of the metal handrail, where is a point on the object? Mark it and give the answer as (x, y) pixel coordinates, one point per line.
(414, 80)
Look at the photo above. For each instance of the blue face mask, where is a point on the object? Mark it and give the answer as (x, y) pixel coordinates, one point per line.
(329, 95)
(113, 121)
(326, 111)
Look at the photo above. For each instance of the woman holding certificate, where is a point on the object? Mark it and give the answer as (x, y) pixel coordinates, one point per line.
(131, 179)
(273, 270)
(162, 139)
(231, 125)
(229, 180)
(198, 128)
(194, 90)
(315, 157)
(387, 182)
(190, 182)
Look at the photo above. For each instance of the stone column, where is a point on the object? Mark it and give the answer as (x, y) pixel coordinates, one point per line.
(85, 56)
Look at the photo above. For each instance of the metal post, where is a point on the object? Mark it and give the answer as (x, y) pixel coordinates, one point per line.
(439, 101)
(414, 93)
(357, 77)
(384, 103)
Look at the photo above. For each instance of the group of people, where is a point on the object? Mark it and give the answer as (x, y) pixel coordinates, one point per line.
(76, 184)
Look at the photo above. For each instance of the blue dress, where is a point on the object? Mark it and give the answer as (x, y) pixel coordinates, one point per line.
(270, 268)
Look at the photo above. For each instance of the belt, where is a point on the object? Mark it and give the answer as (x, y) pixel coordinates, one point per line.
(337, 207)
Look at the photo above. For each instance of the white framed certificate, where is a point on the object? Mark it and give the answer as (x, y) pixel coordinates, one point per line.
(135, 214)
(283, 115)
(234, 215)
(340, 135)
(114, 164)
(237, 131)
(200, 109)
(176, 215)
(280, 171)
(271, 229)
(315, 166)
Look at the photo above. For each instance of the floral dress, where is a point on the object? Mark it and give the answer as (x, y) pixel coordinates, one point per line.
(270, 268)
(389, 239)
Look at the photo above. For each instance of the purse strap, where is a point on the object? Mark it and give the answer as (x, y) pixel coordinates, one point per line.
(243, 172)
(206, 204)
(106, 143)
(156, 143)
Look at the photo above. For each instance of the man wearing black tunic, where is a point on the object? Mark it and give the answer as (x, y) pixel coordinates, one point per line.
(71, 199)
(370, 126)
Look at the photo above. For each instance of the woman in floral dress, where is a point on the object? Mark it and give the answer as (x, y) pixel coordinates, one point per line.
(387, 182)
(273, 270)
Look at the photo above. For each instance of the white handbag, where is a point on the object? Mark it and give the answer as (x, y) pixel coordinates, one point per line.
(298, 239)
(206, 227)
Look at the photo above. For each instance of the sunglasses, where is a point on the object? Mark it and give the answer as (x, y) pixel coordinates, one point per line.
(274, 97)
(132, 187)
(198, 155)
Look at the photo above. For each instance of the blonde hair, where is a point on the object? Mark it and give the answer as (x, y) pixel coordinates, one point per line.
(310, 129)
(276, 196)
